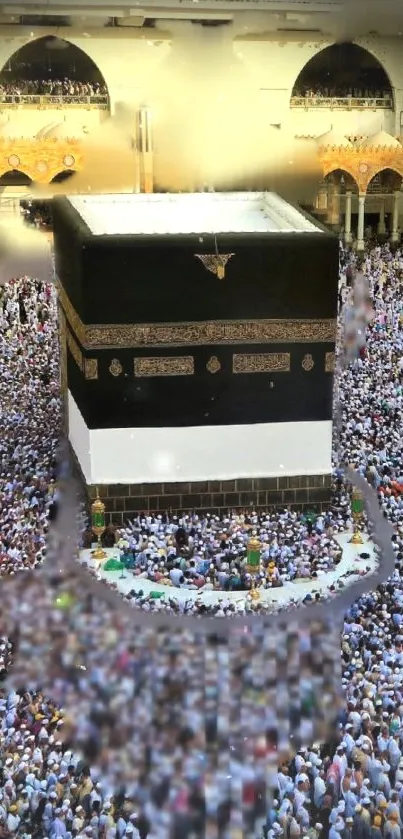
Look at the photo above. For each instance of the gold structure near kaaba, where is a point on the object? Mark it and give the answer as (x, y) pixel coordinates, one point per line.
(98, 525)
(357, 512)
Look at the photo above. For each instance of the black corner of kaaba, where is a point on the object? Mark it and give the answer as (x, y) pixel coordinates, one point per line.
(156, 336)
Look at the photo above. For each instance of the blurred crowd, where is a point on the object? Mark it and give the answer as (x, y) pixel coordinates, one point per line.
(340, 91)
(352, 787)
(51, 87)
(29, 402)
(37, 214)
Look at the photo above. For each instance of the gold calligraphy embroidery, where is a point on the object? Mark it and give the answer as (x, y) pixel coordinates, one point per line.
(197, 333)
(330, 362)
(261, 363)
(91, 368)
(164, 366)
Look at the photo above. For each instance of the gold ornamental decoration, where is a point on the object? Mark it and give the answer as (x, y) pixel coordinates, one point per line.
(91, 368)
(361, 161)
(197, 333)
(330, 362)
(164, 366)
(40, 158)
(88, 366)
(98, 525)
(261, 363)
(307, 363)
(74, 350)
(115, 367)
(213, 365)
(357, 512)
(207, 333)
(215, 262)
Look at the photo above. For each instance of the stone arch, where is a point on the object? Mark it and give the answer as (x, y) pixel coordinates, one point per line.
(342, 55)
(63, 176)
(390, 179)
(381, 205)
(59, 54)
(343, 170)
(334, 197)
(343, 178)
(15, 177)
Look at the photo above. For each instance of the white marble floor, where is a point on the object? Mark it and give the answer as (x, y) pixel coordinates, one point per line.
(295, 590)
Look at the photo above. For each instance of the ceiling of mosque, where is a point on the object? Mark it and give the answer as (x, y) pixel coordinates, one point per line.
(338, 18)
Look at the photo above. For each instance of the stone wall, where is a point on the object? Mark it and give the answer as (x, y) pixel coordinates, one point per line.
(272, 61)
(123, 501)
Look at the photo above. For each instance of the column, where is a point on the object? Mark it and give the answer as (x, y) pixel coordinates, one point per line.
(395, 221)
(333, 206)
(146, 147)
(137, 172)
(137, 154)
(136, 146)
(347, 219)
(336, 207)
(329, 203)
(321, 199)
(381, 224)
(361, 221)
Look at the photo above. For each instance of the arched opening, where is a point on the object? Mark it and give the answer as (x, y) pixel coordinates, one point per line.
(380, 202)
(337, 196)
(343, 180)
(345, 76)
(61, 177)
(384, 182)
(14, 185)
(52, 67)
(14, 178)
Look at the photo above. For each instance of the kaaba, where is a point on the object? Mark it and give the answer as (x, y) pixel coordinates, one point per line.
(198, 343)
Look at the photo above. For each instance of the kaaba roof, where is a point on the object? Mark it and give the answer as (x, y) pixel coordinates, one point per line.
(190, 213)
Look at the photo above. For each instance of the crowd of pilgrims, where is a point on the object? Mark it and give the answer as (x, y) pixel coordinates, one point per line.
(316, 90)
(51, 87)
(352, 788)
(209, 552)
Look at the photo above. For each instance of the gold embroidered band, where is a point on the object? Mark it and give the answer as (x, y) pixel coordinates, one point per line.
(197, 333)
(88, 366)
(75, 350)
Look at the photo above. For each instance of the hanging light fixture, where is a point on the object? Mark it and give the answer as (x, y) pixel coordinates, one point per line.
(215, 262)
